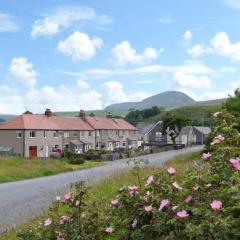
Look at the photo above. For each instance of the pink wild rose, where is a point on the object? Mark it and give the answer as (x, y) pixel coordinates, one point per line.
(115, 202)
(47, 222)
(235, 163)
(171, 170)
(206, 156)
(67, 196)
(133, 189)
(148, 208)
(150, 181)
(182, 214)
(164, 204)
(216, 205)
(109, 229)
(189, 199)
(175, 184)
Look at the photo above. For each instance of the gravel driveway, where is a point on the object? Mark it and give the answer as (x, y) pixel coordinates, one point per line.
(23, 200)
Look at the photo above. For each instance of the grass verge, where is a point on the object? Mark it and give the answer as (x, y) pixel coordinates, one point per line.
(105, 190)
(17, 168)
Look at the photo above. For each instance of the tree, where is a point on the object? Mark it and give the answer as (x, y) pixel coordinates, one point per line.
(92, 114)
(172, 125)
(28, 112)
(232, 104)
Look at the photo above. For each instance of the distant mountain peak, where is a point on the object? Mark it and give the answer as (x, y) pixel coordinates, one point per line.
(165, 99)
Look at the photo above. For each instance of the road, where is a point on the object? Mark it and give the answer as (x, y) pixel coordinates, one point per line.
(23, 200)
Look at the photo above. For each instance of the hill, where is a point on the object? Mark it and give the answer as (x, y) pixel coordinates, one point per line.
(167, 99)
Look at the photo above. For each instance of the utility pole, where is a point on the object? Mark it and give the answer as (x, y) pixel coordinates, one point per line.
(202, 129)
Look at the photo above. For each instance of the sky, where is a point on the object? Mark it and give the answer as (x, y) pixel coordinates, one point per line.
(74, 54)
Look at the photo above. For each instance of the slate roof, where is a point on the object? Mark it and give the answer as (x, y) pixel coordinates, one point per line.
(204, 130)
(102, 123)
(42, 122)
(144, 128)
(185, 130)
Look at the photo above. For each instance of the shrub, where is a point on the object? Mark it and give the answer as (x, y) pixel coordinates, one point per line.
(74, 158)
(204, 204)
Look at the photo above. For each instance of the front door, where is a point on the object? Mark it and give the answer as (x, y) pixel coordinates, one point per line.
(32, 151)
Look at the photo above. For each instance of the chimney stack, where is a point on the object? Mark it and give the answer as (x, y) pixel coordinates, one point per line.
(48, 112)
(109, 115)
(82, 114)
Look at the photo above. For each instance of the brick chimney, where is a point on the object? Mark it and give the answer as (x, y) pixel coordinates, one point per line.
(48, 112)
(109, 115)
(82, 114)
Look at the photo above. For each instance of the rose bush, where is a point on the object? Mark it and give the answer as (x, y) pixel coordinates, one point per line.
(204, 204)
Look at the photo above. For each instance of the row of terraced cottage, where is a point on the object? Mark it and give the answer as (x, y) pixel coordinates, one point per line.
(41, 135)
(45, 135)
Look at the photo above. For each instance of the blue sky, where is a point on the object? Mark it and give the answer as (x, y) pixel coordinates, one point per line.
(68, 55)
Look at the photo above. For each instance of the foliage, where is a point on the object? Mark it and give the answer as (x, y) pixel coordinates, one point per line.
(172, 125)
(233, 103)
(137, 116)
(19, 168)
(28, 112)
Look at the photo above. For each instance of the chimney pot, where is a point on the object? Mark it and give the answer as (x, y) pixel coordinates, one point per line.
(109, 115)
(82, 114)
(48, 112)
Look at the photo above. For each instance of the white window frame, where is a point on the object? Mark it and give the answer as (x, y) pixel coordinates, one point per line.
(66, 134)
(97, 133)
(82, 134)
(31, 134)
(45, 133)
(89, 133)
(19, 134)
(55, 134)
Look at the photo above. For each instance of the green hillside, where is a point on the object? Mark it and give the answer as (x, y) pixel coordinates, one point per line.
(197, 114)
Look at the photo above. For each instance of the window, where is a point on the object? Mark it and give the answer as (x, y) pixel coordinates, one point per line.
(158, 136)
(124, 144)
(55, 134)
(45, 134)
(75, 134)
(89, 133)
(82, 134)
(97, 133)
(117, 133)
(66, 134)
(32, 134)
(117, 144)
(110, 132)
(19, 134)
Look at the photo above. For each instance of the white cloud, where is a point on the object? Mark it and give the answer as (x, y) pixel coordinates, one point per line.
(113, 92)
(123, 54)
(63, 17)
(228, 69)
(235, 84)
(189, 67)
(8, 23)
(79, 46)
(167, 19)
(23, 70)
(198, 50)
(83, 84)
(224, 47)
(138, 96)
(45, 27)
(190, 81)
(187, 36)
(233, 3)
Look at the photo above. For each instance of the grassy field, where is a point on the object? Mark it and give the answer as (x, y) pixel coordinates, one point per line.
(17, 168)
(105, 190)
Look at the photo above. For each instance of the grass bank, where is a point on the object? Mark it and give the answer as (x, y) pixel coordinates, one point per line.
(104, 191)
(17, 168)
